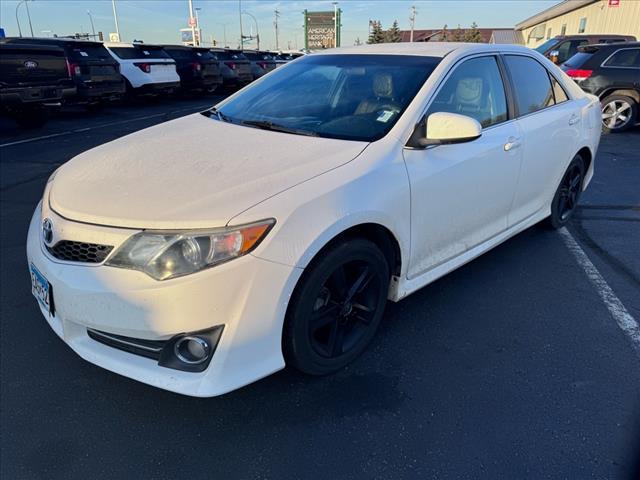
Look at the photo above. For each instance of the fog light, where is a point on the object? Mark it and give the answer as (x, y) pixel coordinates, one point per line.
(192, 350)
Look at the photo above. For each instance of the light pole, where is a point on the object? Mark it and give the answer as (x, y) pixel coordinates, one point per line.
(26, 4)
(93, 28)
(115, 18)
(257, 32)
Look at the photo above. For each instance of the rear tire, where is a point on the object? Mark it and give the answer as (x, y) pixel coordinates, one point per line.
(336, 307)
(619, 113)
(568, 194)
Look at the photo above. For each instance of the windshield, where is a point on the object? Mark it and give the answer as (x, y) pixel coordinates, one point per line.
(352, 97)
(546, 46)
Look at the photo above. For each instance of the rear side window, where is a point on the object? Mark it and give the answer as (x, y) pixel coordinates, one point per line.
(474, 89)
(89, 51)
(629, 57)
(180, 53)
(531, 83)
(134, 53)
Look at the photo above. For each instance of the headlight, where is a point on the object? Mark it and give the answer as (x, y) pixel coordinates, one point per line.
(166, 254)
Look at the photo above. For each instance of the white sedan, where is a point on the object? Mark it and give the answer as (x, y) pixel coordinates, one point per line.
(204, 253)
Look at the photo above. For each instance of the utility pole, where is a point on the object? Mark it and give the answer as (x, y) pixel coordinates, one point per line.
(93, 29)
(412, 19)
(275, 23)
(115, 18)
(240, 15)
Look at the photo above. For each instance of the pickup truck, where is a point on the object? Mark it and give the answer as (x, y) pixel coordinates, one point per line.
(33, 78)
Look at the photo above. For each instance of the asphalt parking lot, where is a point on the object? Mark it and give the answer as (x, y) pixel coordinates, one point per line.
(513, 366)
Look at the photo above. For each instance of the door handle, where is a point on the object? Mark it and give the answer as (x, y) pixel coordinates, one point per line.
(574, 119)
(512, 144)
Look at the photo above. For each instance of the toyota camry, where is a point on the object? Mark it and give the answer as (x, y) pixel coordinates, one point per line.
(207, 252)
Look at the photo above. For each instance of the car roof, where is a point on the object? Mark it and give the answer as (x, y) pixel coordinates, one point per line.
(427, 49)
(51, 41)
(132, 45)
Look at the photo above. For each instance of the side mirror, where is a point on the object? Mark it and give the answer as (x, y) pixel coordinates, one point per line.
(553, 56)
(447, 128)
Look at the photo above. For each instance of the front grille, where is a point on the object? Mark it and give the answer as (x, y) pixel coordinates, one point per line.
(80, 251)
(137, 346)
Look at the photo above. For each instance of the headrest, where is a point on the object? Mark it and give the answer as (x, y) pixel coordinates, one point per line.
(469, 91)
(383, 85)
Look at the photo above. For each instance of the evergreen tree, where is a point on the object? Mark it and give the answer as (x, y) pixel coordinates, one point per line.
(473, 35)
(377, 35)
(393, 35)
(444, 35)
(458, 35)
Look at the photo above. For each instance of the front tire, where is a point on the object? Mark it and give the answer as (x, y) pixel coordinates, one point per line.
(568, 194)
(336, 308)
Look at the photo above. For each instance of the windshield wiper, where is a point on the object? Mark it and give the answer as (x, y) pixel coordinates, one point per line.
(213, 111)
(267, 125)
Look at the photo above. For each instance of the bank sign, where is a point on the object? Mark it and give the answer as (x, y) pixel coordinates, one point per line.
(320, 31)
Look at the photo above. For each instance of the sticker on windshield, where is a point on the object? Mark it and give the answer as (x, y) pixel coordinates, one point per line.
(145, 52)
(84, 54)
(384, 116)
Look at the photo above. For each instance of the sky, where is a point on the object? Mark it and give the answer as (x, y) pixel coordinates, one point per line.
(159, 21)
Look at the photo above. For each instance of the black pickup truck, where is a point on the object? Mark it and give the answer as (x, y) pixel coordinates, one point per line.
(32, 78)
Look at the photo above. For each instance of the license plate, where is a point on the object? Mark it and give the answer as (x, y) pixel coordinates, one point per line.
(41, 288)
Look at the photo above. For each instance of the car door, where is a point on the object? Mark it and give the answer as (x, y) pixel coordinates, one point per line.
(550, 125)
(461, 194)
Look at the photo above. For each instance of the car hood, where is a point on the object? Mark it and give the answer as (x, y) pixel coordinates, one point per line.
(193, 172)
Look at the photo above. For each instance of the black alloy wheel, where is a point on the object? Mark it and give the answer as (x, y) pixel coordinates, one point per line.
(568, 194)
(336, 308)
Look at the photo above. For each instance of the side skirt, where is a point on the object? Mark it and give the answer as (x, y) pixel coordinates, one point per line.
(402, 287)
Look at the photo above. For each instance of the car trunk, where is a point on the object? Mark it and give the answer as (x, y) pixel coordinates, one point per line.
(31, 65)
(94, 62)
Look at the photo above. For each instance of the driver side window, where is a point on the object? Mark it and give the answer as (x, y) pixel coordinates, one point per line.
(474, 89)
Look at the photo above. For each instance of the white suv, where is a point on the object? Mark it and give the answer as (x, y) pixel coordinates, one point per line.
(146, 68)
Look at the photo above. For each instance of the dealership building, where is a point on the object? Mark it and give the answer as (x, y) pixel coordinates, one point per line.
(572, 17)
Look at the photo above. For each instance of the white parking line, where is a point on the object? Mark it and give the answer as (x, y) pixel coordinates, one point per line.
(110, 124)
(625, 321)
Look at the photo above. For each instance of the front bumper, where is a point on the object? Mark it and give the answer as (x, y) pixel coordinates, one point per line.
(248, 296)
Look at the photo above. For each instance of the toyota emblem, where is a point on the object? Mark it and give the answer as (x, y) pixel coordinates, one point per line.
(47, 230)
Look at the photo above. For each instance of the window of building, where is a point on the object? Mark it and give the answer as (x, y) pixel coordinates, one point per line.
(583, 25)
(474, 89)
(531, 82)
(563, 30)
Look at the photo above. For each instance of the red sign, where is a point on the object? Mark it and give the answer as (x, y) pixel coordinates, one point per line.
(614, 3)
